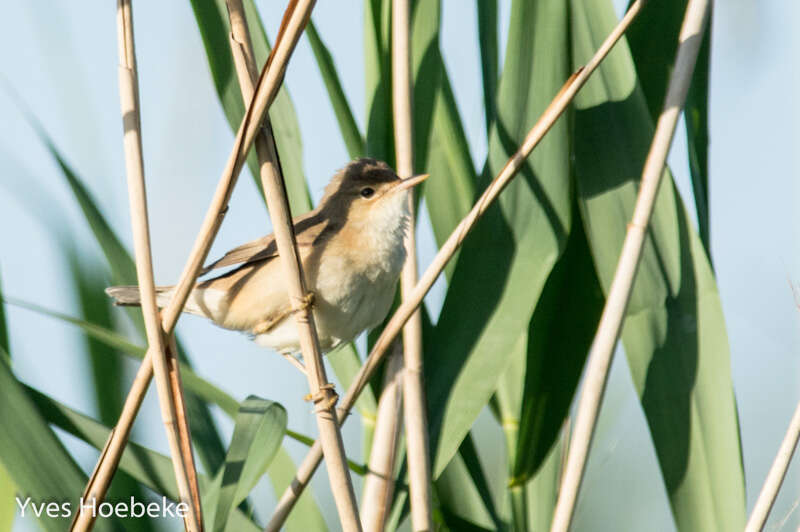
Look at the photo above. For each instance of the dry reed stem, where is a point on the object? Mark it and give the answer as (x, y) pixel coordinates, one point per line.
(271, 77)
(557, 106)
(379, 481)
(134, 165)
(278, 205)
(602, 350)
(415, 412)
(184, 433)
(774, 480)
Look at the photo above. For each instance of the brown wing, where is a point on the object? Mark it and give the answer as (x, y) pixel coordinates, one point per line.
(307, 228)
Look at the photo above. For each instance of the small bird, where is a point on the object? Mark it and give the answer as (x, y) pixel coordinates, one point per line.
(352, 251)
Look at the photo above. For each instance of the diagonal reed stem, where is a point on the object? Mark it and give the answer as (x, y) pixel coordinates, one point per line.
(602, 350)
(294, 21)
(179, 445)
(414, 409)
(454, 241)
(278, 205)
(774, 480)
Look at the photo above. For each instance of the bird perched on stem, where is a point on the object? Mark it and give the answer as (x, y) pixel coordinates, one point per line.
(352, 251)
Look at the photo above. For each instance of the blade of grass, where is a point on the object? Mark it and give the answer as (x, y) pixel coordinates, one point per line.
(440, 144)
(257, 435)
(146, 466)
(508, 400)
(462, 490)
(34, 457)
(88, 280)
(487, 38)
(504, 265)
(8, 509)
(549, 382)
(653, 41)
(377, 69)
(353, 139)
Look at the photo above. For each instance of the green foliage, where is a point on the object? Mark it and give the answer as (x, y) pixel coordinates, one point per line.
(524, 293)
(515, 244)
(257, 435)
(32, 455)
(655, 34)
(674, 335)
(212, 21)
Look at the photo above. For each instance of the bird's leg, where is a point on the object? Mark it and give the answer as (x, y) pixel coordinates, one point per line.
(296, 363)
(321, 395)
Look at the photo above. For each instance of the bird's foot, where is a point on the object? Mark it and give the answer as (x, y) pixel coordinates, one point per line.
(305, 303)
(325, 397)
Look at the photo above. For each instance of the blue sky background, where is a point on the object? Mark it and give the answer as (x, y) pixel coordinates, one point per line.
(60, 57)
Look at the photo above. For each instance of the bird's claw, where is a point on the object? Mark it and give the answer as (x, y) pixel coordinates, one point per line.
(306, 302)
(325, 397)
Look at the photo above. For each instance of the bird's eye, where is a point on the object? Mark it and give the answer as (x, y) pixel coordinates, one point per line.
(367, 192)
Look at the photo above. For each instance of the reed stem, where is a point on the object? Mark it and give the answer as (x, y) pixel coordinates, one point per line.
(278, 206)
(179, 445)
(415, 411)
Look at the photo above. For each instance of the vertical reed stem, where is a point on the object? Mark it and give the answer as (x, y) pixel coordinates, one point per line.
(134, 166)
(419, 464)
(278, 205)
(379, 481)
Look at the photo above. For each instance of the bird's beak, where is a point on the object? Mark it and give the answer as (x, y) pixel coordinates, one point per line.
(410, 182)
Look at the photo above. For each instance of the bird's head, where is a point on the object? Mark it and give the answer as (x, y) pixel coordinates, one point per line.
(368, 190)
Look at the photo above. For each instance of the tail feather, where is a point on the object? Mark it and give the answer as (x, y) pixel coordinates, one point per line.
(202, 302)
(129, 296)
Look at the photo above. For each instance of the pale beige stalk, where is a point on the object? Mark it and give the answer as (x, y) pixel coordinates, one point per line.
(278, 205)
(184, 433)
(602, 350)
(294, 21)
(379, 480)
(774, 480)
(415, 411)
(134, 167)
(560, 102)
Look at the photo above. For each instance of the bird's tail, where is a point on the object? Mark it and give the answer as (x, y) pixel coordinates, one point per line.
(201, 301)
(129, 296)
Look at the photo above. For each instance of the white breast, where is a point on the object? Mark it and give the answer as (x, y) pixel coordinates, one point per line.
(351, 298)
